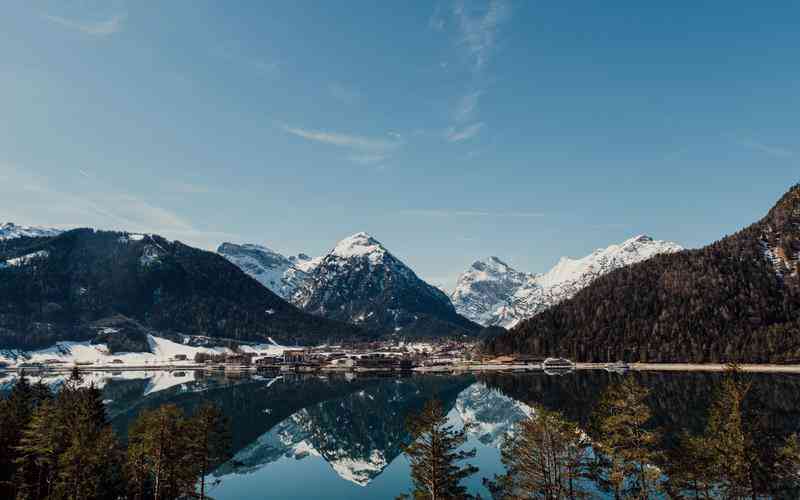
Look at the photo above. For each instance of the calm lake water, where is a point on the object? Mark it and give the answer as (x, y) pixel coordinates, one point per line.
(310, 437)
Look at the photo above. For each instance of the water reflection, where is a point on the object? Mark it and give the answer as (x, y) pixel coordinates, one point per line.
(341, 437)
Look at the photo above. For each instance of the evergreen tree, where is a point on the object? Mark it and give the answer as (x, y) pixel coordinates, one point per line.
(90, 463)
(37, 454)
(434, 455)
(211, 441)
(625, 451)
(159, 455)
(545, 457)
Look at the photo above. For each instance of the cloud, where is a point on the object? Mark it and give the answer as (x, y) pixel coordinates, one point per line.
(775, 151)
(98, 29)
(469, 213)
(364, 150)
(467, 105)
(37, 200)
(478, 28)
(454, 134)
(344, 94)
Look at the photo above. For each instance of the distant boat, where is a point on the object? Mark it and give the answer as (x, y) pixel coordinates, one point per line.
(617, 367)
(558, 366)
(557, 363)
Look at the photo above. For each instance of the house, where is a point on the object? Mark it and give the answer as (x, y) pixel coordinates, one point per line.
(378, 362)
(296, 356)
(342, 363)
(239, 359)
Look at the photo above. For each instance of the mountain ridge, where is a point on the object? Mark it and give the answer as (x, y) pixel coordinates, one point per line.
(492, 293)
(56, 288)
(737, 299)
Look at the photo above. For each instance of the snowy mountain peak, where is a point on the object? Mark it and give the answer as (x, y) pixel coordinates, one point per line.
(359, 245)
(491, 264)
(492, 293)
(9, 230)
(283, 275)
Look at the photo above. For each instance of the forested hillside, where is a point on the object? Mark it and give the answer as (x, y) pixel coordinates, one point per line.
(66, 287)
(737, 299)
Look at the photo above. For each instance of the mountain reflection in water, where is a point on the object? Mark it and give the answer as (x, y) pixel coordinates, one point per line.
(342, 437)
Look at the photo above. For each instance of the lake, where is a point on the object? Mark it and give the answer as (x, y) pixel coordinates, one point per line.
(340, 437)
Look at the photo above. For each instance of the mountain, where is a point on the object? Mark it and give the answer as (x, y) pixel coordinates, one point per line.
(9, 230)
(68, 287)
(361, 282)
(737, 299)
(283, 275)
(492, 293)
(358, 434)
(488, 414)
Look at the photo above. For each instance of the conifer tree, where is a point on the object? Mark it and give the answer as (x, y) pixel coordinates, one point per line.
(625, 450)
(211, 441)
(159, 454)
(434, 455)
(545, 457)
(37, 454)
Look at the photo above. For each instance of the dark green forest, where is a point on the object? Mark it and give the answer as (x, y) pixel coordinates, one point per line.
(725, 302)
(72, 285)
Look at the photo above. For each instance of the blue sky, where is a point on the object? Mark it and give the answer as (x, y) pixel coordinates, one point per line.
(450, 131)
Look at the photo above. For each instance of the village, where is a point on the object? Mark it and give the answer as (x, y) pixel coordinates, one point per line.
(379, 356)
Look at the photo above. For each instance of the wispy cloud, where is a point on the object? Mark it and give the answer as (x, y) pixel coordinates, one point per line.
(363, 150)
(454, 134)
(478, 26)
(466, 106)
(468, 213)
(344, 93)
(97, 29)
(777, 152)
(474, 24)
(102, 206)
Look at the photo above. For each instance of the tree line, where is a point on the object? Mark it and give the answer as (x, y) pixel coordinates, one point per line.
(726, 302)
(618, 455)
(61, 446)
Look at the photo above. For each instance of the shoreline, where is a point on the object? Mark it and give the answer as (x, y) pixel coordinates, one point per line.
(477, 368)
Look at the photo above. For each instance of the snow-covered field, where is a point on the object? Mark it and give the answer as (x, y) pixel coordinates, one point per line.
(163, 352)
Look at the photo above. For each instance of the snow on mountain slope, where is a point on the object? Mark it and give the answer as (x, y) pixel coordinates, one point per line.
(9, 230)
(359, 281)
(492, 293)
(490, 414)
(162, 351)
(283, 275)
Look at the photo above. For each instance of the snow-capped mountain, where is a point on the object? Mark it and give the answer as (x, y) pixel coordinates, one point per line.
(494, 294)
(9, 230)
(361, 282)
(490, 414)
(283, 275)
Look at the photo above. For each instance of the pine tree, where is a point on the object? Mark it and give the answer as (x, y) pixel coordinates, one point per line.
(90, 463)
(211, 441)
(545, 457)
(159, 454)
(434, 455)
(37, 454)
(726, 439)
(626, 453)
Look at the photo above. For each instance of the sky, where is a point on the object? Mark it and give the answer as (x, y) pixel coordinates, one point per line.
(449, 130)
